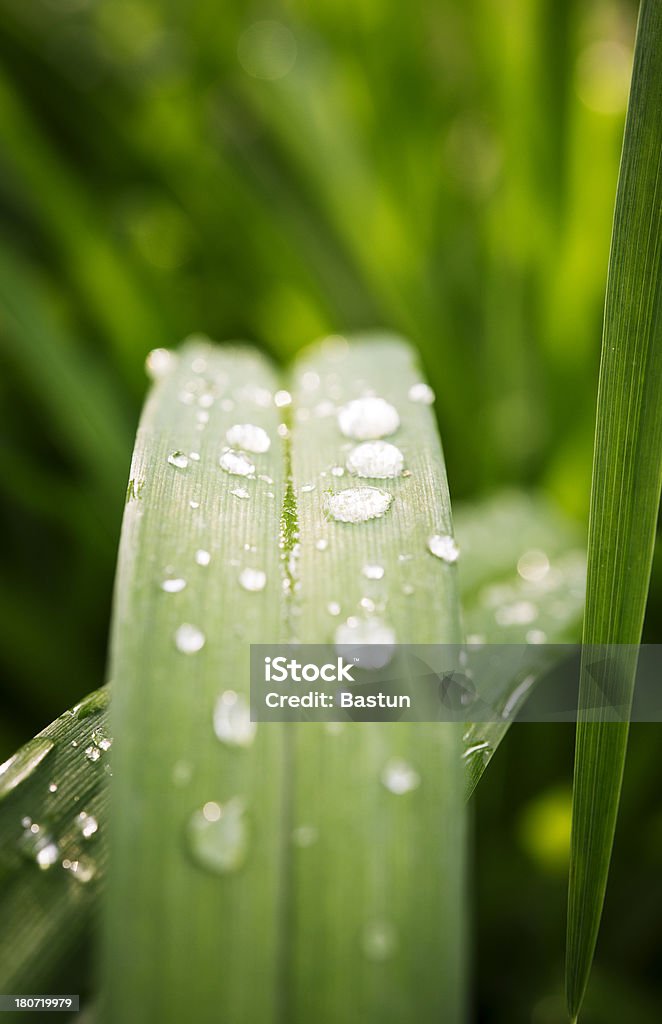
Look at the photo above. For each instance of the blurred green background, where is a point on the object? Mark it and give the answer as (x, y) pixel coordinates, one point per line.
(275, 172)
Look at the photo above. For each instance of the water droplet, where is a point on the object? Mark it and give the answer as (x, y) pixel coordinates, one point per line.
(92, 753)
(333, 608)
(101, 741)
(232, 720)
(87, 824)
(422, 393)
(322, 544)
(307, 488)
(337, 471)
(37, 844)
(194, 456)
(253, 579)
(377, 459)
(282, 398)
(533, 566)
(178, 459)
(379, 941)
(236, 463)
(83, 869)
(518, 614)
(53, 787)
(249, 437)
(483, 748)
(444, 547)
(358, 504)
(173, 586)
(217, 836)
(373, 572)
(283, 430)
(370, 641)
(399, 776)
(366, 419)
(47, 855)
(23, 763)
(194, 504)
(189, 639)
(159, 362)
(240, 492)
(202, 557)
(304, 836)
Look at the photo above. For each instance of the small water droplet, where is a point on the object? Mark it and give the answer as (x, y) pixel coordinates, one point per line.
(202, 557)
(189, 639)
(333, 608)
(399, 777)
(443, 546)
(358, 504)
(249, 437)
(322, 544)
(377, 459)
(82, 869)
(23, 763)
(232, 720)
(87, 824)
(194, 504)
(282, 398)
(173, 586)
(373, 572)
(217, 836)
(421, 392)
(37, 844)
(92, 753)
(159, 362)
(240, 492)
(379, 941)
(253, 579)
(307, 488)
(304, 836)
(283, 431)
(366, 419)
(53, 787)
(337, 471)
(178, 459)
(236, 463)
(194, 456)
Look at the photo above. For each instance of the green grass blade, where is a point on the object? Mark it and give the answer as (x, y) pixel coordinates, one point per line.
(625, 493)
(51, 877)
(185, 914)
(536, 572)
(378, 876)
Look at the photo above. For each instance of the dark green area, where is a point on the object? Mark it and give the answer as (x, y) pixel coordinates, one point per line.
(440, 169)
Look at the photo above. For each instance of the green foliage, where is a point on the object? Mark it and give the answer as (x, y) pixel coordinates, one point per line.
(625, 492)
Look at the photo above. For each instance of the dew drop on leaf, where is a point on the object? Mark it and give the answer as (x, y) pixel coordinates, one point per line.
(173, 586)
(422, 393)
(202, 557)
(232, 720)
(399, 777)
(86, 824)
(236, 463)
(377, 459)
(249, 437)
(366, 419)
(178, 459)
(217, 836)
(373, 572)
(189, 639)
(253, 579)
(358, 504)
(443, 546)
(159, 362)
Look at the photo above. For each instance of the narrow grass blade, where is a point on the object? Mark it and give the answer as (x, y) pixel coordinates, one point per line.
(625, 493)
(377, 885)
(53, 797)
(195, 861)
(522, 581)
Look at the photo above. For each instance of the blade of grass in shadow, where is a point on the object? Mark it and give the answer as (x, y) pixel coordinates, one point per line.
(625, 491)
(53, 799)
(193, 899)
(378, 808)
(527, 589)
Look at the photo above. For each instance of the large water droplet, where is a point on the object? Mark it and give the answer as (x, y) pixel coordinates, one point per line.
(442, 546)
(366, 419)
(377, 459)
(173, 586)
(282, 398)
(189, 639)
(379, 941)
(249, 437)
(399, 776)
(178, 459)
(421, 392)
(217, 836)
(253, 579)
(236, 463)
(202, 557)
(358, 504)
(232, 720)
(23, 763)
